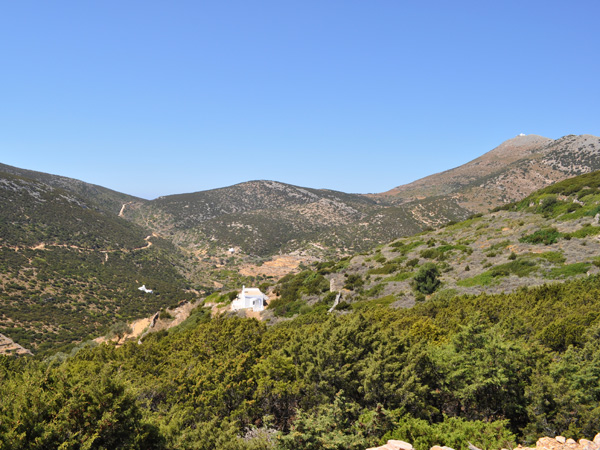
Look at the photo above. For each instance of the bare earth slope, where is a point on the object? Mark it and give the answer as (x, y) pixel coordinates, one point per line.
(507, 173)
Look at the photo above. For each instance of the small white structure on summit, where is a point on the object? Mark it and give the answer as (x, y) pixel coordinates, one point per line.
(143, 288)
(249, 298)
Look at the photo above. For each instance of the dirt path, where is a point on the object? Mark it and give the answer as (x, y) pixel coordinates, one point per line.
(45, 246)
(141, 326)
(122, 212)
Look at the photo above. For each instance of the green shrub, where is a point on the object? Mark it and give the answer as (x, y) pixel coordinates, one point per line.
(570, 270)
(353, 282)
(402, 276)
(412, 262)
(586, 230)
(374, 291)
(426, 281)
(553, 257)
(453, 432)
(384, 270)
(545, 236)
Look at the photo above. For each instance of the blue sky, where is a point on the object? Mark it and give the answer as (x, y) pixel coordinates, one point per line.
(154, 98)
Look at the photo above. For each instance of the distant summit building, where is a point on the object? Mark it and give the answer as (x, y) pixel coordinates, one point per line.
(249, 298)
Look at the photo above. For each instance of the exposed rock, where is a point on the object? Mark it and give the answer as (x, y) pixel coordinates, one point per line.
(545, 443)
(393, 444)
(10, 347)
(587, 445)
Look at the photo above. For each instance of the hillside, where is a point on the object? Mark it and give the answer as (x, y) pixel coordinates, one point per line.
(266, 217)
(274, 227)
(68, 270)
(507, 173)
(501, 344)
(491, 370)
(103, 198)
(551, 235)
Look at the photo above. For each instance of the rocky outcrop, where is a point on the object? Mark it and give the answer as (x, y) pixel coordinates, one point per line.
(9, 347)
(562, 443)
(545, 443)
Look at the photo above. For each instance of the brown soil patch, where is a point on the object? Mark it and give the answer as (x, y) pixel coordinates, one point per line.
(277, 267)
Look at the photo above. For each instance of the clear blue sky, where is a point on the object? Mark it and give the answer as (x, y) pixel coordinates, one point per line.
(154, 97)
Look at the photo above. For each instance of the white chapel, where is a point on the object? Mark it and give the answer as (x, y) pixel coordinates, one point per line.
(249, 298)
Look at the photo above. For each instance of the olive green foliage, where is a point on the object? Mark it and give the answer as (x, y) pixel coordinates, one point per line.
(72, 408)
(328, 267)
(292, 288)
(353, 282)
(375, 303)
(385, 269)
(443, 251)
(545, 236)
(453, 432)
(586, 230)
(519, 266)
(565, 397)
(569, 270)
(405, 247)
(331, 426)
(70, 269)
(569, 199)
(470, 368)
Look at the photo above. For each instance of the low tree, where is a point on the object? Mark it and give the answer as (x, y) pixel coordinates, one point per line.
(426, 281)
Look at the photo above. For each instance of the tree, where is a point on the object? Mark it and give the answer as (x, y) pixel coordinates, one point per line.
(426, 280)
(483, 375)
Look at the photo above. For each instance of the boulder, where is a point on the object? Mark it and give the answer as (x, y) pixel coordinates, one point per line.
(399, 445)
(394, 444)
(587, 445)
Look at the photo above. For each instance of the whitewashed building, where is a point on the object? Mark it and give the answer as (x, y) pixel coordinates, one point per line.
(249, 298)
(143, 288)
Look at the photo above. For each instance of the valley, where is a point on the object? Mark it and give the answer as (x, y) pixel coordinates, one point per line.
(459, 309)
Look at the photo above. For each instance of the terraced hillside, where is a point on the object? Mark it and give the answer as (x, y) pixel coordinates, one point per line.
(68, 270)
(552, 235)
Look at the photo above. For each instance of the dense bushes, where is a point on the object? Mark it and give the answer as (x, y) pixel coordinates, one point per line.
(447, 371)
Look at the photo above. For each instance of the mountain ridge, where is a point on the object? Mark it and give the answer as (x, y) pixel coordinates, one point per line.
(510, 171)
(107, 199)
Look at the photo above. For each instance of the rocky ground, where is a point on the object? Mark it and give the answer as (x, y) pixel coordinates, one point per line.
(545, 443)
(9, 347)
